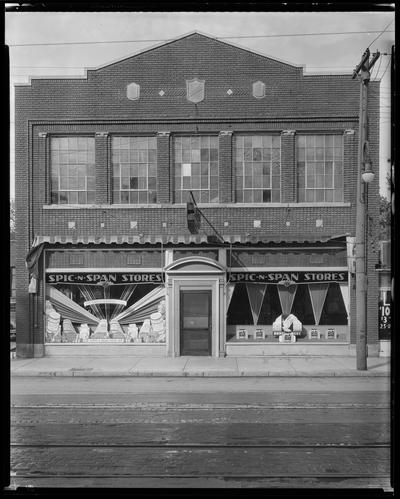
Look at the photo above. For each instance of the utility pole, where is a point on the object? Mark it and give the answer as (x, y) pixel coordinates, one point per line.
(364, 176)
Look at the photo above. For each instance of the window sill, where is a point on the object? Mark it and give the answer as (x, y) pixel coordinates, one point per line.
(200, 205)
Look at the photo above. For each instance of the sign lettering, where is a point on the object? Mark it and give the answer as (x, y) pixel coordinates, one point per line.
(97, 278)
(295, 277)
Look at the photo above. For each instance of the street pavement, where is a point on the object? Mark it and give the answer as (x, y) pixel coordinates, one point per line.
(285, 366)
(200, 431)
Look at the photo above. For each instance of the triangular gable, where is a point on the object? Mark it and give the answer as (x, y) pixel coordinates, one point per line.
(195, 35)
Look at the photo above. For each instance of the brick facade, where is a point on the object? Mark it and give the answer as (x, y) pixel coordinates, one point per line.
(98, 106)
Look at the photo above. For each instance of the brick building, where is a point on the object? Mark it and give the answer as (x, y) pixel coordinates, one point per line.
(104, 168)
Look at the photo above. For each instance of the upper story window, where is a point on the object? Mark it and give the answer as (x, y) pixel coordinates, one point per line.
(258, 168)
(134, 164)
(320, 168)
(72, 170)
(196, 169)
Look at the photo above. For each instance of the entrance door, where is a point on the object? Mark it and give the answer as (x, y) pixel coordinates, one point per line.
(195, 323)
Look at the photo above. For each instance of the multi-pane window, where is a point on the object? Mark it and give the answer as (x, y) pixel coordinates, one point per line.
(72, 170)
(258, 168)
(196, 169)
(134, 163)
(320, 168)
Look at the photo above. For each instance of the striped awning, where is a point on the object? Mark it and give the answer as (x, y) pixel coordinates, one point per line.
(186, 239)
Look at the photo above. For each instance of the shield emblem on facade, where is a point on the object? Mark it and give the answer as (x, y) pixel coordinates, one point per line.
(258, 89)
(133, 91)
(195, 90)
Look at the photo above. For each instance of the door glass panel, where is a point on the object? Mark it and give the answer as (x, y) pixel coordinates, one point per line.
(195, 334)
(195, 310)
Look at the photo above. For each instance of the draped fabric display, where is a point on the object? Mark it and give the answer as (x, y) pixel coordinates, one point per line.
(286, 297)
(89, 294)
(142, 309)
(68, 308)
(256, 293)
(318, 294)
(344, 288)
(125, 296)
(229, 292)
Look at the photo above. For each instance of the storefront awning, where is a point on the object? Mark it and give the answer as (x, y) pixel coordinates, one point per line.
(187, 239)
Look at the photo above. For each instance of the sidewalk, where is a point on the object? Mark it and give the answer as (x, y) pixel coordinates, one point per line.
(198, 366)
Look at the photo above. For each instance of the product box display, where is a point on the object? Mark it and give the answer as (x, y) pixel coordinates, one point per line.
(331, 334)
(242, 334)
(313, 334)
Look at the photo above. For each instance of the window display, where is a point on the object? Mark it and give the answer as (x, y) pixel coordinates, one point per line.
(258, 311)
(106, 312)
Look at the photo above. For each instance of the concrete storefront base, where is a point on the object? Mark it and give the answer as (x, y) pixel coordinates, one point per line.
(232, 350)
(300, 349)
(110, 350)
(384, 348)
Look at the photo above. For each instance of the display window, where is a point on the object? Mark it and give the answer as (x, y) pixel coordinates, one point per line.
(272, 309)
(105, 312)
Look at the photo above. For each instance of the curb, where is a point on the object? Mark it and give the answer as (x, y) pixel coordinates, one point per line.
(201, 374)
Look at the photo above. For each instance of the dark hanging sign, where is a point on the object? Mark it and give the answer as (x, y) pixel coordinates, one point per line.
(288, 278)
(384, 318)
(104, 277)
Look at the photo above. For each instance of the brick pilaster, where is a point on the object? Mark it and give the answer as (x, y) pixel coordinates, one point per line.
(225, 167)
(288, 167)
(164, 178)
(349, 166)
(44, 168)
(103, 192)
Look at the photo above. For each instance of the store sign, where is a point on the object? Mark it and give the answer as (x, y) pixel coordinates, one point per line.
(292, 277)
(384, 320)
(101, 278)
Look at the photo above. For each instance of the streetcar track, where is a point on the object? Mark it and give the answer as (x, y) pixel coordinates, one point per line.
(202, 475)
(167, 406)
(206, 446)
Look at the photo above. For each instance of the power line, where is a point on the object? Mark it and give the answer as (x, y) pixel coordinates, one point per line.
(391, 22)
(216, 38)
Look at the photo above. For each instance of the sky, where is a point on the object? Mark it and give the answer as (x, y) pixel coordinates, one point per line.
(44, 44)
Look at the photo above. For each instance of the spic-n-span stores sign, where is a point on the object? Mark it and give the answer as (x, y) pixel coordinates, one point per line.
(104, 277)
(288, 277)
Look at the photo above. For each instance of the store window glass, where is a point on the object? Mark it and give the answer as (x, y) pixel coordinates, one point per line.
(134, 166)
(258, 168)
(239, 311)
(320, 168)
(302, 306)
(271, 307)
(72, 170)
(85, 313)
(334, 310)
(196, 169)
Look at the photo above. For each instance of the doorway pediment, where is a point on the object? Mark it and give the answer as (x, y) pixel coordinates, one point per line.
(193, 265)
